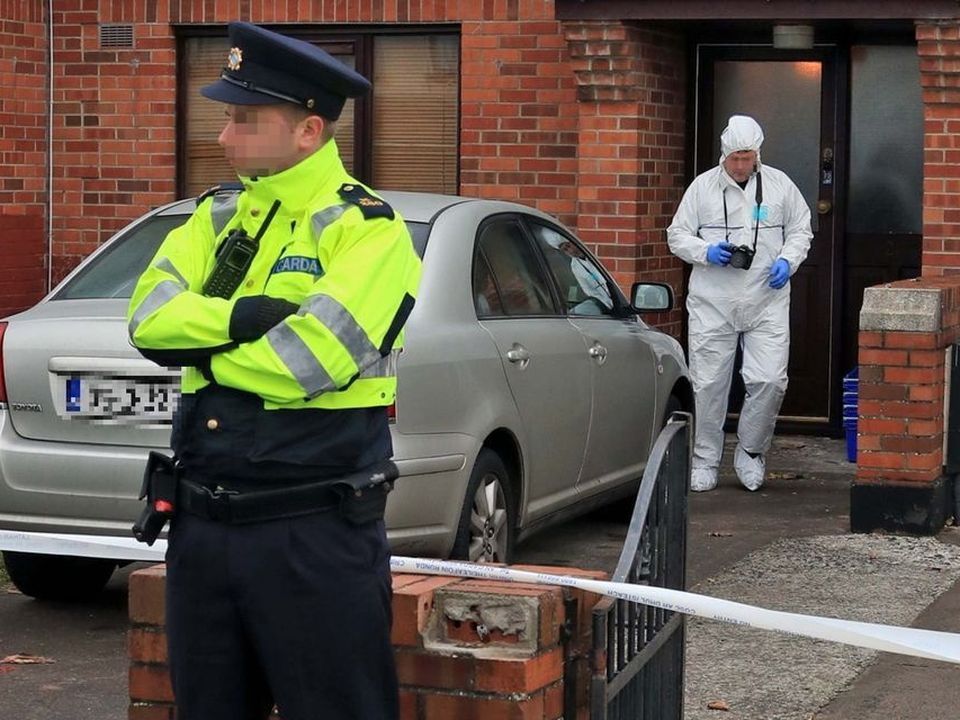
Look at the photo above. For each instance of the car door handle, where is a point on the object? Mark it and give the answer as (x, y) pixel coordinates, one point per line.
(598, 352)
(518, 354)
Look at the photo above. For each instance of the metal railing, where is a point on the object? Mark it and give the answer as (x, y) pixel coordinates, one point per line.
(637, 658)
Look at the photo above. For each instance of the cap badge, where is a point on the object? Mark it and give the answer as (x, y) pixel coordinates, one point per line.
(234, 58)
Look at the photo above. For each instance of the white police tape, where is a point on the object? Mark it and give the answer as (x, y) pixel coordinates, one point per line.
(888, 638)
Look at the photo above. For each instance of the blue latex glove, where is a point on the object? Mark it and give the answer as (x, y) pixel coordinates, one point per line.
(719, 254)
(779, 274)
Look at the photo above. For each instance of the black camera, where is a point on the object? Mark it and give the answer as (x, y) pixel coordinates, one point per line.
(742, 257)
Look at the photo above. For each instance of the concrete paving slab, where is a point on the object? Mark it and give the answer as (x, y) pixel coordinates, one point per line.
(775, 676)
(788, 544)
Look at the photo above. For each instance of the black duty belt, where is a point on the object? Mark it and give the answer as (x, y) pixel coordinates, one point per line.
(230, 506)
(360, 497)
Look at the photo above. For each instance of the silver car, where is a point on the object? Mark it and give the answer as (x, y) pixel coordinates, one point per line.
(529, 391)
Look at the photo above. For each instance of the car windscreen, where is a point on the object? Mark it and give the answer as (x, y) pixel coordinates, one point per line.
(114, 272)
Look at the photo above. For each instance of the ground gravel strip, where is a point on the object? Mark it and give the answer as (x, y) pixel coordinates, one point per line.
(764, 675)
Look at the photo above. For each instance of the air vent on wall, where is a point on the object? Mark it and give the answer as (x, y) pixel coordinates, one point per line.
(116, 36)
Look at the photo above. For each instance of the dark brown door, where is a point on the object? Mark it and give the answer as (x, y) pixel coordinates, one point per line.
(792, 94)
(884, 208)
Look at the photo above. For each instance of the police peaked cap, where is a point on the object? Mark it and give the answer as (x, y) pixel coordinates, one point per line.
(265, 68)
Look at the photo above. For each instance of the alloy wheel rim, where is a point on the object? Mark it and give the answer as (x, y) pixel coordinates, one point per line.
(489, 531)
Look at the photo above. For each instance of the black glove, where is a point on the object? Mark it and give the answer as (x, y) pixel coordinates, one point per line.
(253, 316)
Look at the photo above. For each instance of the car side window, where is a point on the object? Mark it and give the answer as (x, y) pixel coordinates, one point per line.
(486, 298)
(518, 276)
(583, 287)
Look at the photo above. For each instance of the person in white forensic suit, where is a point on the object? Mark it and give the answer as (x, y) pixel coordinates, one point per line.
(745, 229)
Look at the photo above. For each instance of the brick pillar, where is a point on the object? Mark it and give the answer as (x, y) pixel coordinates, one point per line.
(518, 122)
(464, 648)
(938, 45)
(632, 107)
(906, 330)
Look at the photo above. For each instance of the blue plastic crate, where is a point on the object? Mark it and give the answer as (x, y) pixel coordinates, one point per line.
(851, 431)
(851, 388)
(851, 380)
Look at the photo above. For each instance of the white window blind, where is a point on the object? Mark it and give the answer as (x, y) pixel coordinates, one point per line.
(415, 113)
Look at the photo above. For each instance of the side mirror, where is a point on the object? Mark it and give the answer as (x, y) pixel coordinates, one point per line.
(651, 297)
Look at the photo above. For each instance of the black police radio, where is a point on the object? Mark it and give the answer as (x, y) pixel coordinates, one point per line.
(234, 258)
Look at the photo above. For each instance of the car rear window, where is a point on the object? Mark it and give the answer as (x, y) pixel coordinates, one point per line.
(418, 233)
(114, 272)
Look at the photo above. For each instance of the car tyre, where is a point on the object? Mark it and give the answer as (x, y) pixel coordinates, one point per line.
(488, 521)
(57, 577)
(673, 405)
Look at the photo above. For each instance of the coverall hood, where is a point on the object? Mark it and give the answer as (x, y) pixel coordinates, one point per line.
(741, 133)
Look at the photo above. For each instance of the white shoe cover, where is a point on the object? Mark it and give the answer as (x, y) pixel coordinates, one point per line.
(703, 479)
(750, 470)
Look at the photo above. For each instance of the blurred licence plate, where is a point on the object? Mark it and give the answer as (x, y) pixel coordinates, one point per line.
(121, 398)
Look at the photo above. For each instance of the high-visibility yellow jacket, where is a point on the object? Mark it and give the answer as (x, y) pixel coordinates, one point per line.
(335, 250)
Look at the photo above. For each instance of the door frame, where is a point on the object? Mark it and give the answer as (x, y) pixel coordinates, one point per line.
(833, 133)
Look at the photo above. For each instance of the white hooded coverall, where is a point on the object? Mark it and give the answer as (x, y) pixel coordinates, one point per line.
(727, 305)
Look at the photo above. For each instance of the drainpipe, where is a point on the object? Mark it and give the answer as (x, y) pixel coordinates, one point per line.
(50, 145)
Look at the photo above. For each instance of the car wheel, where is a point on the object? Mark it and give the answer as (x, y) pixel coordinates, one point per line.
(488, 520)
(57, 577)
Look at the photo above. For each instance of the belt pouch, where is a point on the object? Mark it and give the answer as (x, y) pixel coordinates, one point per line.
(363, 495)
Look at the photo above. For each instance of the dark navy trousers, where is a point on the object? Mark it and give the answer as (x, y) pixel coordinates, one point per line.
(294, 612)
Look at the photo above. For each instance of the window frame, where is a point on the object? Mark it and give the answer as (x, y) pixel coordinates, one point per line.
(362, 40)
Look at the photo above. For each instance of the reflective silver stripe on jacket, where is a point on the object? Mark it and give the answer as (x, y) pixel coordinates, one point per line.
(347, 330)
(303, 364)
(162, 294)
(168, 267)
(384, 367)
(224, 208)
(300, 361)
(325, 218)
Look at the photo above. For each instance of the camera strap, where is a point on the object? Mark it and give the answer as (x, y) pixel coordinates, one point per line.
(758, 197)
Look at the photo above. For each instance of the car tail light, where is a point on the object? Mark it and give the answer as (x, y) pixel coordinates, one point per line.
(391, 408)
(3, 382)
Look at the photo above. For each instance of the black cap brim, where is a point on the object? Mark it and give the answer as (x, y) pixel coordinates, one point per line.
(231, 94)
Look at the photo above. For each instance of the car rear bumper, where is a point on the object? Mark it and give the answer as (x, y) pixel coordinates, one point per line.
(91, 490)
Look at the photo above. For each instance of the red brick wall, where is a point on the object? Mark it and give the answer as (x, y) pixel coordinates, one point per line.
(938, 45)
(446, 668)
(113, 132)
(631, 85)
(526, 135)
(519, 110)
(23, 153)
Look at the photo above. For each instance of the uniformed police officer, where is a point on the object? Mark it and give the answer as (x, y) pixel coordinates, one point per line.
(284, 304)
